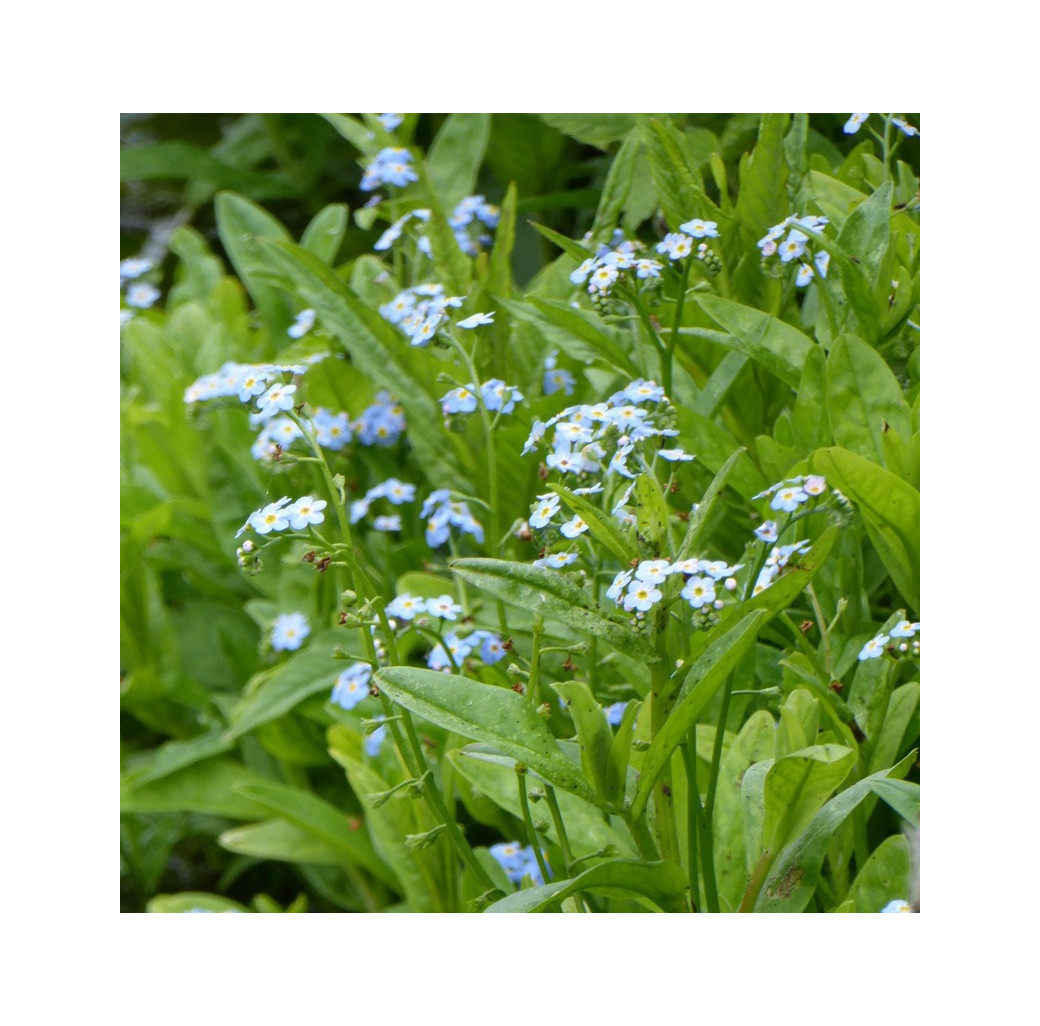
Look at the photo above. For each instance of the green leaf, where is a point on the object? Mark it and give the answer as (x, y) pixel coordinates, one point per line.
(570, 246)
(679, 187)
(500, 273)
(891, 511)
(456, 155)
(324, 235)
(810, 424)
(549, 593)
(777, 346)
(865, 233)
(598, 130)
(318, 818)
(782, 592)
(602, 527)
(273, 693)
(174, 756)
(617, 186)
(762, 199)
(863, 398)
(176, 159)
(584, 327)
(884, 877)
(713, 446)
(903, 796)
(185, 901)
(496, 716)
(651, 513)
(700, 517)
(281, 841)
(796, 787)
(662, 882)
(202, 787)
(352, 130)
(704, 678)
(793, 877)
(902, 705)
(594, 739)
(242, 226)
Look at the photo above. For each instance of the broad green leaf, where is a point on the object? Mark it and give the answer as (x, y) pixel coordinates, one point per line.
(174, 756)
(703, 679)
(602, 527)
(549, 593)
(594, 739)
(651, 513)
(598, 130)
(500, 274)
(176, 159)
(281, 841)
(791, 881)
(456, 155)
(885, 876)
(617, 186)
(588, 329)
(587, 828)
(496, 716)
(903, 796)
(783, 591)
(902, 705)
(891, 511)
(201, 787)
(323, 821)
(865, 232)
(242, 226)
(777, 346)
(713, 394)
(863, 398)
(324, 235)
(797, 786)
(662, 882)
(713, 446)
(679, 187)
(762, 199)
(352, 130)
(809, 421)
(307, 672)
(571, 247)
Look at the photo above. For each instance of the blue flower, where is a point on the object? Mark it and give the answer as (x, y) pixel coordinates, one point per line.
(288, 631)
(303, 323)
(389, 121)
(855, 120)
(351, 685)
(517, 862)
(374, 741)
(615, 712)
(898, 905)
(391, 166)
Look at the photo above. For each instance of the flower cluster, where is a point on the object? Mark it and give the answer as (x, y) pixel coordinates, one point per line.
(288, 631)
(899, 634)
(610, 262)
(638, 590)
(277, 516)
(471, 220)
(517, 862)
(351, 686)
(794, 246)
(556, 379)
(856, 120)
(497, 396)
(381, 423)
(304, 322)
(453, 649)
(395, 492)
(139, 295)
(249, 381)
(680, 244)
(788, 495)
(391, 166)
(441, 513)
(420, 311)
(389, 121)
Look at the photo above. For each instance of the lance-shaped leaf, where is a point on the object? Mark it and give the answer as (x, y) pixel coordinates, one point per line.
(705, 677)
(321, 819)
(602, 527)
(662, 882)
(496, 716)
(281, 841)
(777, 346)
(456, 155)
(594, 739)
(891, 511)
(790, 884)
(885, 876)
(700, 516)
(324, 234)
(548, 593)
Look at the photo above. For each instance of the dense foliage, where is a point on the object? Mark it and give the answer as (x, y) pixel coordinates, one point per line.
(520, 512)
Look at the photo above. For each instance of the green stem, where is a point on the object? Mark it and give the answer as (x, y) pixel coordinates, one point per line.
(536, 655)
(666, 372)
(707, 847)
(561, 833)
(659, 709)
(644, 840)
(694, 813)
(825, 639)
(532, 838)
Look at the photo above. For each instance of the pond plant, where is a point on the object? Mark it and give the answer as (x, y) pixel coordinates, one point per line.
(538, 531)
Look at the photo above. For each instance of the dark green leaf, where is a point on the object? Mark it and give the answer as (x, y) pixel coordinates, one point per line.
(456, 155)
(496, 716)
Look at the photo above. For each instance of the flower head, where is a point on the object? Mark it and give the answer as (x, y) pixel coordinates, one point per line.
(351, 685)
(873, 648)
(288, 631)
